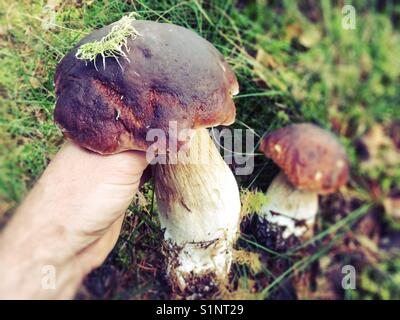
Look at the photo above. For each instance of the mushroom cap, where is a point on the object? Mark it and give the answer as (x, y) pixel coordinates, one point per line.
(312, 158)
(172, 74)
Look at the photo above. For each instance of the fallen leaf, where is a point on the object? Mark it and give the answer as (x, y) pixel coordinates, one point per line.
(293, 31)
(381, 149)
(392, 206)
(310, 37)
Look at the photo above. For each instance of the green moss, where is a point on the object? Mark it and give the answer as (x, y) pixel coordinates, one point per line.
(112, 45)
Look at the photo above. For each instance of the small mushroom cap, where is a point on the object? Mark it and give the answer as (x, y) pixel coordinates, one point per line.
(312, 158)
(173, 75)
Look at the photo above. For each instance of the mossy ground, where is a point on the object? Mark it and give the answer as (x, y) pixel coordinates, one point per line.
(295, 62)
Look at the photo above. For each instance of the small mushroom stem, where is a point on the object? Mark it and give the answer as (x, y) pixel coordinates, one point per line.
(289, 211)
(199, 205)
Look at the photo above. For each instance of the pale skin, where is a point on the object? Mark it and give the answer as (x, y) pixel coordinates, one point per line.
(68, 223)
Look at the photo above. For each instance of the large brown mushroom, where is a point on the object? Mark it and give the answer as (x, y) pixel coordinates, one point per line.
(172, 74)
(168, 74)
(313, 162)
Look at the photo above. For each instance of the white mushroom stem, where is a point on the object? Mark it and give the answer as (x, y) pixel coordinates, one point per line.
(289, 207)
(199, 208)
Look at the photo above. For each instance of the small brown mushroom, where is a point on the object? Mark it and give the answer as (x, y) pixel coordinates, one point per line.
(313, 162)
(170, 74)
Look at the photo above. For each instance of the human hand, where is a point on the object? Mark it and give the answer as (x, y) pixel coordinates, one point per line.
(69, 221)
